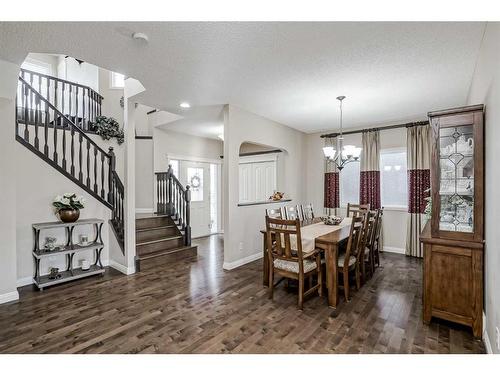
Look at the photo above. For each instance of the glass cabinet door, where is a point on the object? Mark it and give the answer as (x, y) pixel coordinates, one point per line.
(456, 181)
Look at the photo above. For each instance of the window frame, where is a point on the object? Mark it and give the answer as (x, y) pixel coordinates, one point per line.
(393, 150)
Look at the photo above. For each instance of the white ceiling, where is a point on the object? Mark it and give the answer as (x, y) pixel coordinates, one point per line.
(288, 72)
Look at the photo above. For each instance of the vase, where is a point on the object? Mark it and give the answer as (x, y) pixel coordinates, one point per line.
(69, 215)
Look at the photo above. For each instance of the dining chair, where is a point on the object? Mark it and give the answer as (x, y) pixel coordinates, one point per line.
(378, 238)
(275, 213)
(287, 259)
(349, 261)
(307, 211)
(355, 208)
(291, 213)
(369, 244)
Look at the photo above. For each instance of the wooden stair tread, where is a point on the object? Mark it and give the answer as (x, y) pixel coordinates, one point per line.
(165, 252)
(156, 228)
(159, 240)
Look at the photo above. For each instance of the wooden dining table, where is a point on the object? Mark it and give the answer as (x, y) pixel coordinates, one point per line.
(328, 243)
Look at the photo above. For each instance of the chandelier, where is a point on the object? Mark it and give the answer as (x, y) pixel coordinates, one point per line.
(347, 154)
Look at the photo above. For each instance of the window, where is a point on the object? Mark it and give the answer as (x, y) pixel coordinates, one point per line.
(393, 178)
(195, 181)
(349, 184)
(117, 80)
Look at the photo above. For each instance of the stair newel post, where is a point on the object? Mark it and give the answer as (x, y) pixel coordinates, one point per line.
(112, 165)
(170, 190)
(187, 231)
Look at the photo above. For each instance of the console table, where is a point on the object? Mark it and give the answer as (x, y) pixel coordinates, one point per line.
(69, 250)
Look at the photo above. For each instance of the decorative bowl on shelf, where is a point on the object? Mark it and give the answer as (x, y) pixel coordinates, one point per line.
(332, 220)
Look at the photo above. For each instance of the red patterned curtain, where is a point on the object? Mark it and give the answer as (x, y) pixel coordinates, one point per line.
(331, 190)
(369, 188)
(418, 143)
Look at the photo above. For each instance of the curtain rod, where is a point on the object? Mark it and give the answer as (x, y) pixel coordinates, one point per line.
(407, 125)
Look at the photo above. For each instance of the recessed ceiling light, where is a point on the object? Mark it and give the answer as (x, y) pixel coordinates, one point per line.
(185, 105)
(140, 36)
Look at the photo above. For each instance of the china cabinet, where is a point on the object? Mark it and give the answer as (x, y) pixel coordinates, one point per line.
(453, 238)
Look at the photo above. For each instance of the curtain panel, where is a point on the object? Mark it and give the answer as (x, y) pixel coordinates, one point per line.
(369, 186)
(418, 142)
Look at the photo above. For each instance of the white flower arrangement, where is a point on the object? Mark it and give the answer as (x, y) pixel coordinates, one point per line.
(68, 201)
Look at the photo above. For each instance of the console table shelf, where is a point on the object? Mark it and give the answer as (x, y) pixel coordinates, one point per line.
(69, 250)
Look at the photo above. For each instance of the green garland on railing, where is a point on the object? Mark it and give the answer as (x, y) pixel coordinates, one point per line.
(107, 128)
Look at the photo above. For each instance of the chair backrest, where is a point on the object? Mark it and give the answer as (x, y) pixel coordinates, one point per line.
(279, 244)
(274, 213)
(291, 213)
(357, 225)
(371, 226)
(378, 229)
(355, 208)
(307, 211)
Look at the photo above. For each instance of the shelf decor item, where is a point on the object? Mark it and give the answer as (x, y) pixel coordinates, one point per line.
(68, 207)
(453, 240)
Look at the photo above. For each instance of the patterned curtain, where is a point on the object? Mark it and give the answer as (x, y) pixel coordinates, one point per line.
(369, 187)
(418, 143)
(332, 186)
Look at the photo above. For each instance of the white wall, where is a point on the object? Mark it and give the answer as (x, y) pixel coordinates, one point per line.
(8, 170)
(144, 176)
(242, 238)
(167, 142)
(485, 88)
(394, 229)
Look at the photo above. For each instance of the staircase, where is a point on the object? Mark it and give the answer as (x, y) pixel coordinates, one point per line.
(167, 233)
(53, 117)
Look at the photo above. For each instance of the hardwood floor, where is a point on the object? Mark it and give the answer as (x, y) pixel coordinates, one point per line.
(193, 306)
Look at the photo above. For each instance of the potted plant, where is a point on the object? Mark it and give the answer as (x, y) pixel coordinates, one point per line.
(68, 207)
(107, 128)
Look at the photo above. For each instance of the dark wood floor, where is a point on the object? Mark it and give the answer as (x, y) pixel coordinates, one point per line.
(193, 306)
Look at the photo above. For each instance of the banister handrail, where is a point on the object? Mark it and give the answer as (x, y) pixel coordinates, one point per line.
(65, 118)
(62, 80)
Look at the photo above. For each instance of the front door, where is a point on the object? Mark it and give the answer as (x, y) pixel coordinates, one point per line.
(197, 176)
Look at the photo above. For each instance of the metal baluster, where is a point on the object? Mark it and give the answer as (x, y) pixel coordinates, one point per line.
(46, 130)
(80, 174)
(102, 175)
(95, 169)
(37, 111)
(26, 112)
(63, 95)
(72, 169)
(70, 98)
(88, 163)
(77, 120)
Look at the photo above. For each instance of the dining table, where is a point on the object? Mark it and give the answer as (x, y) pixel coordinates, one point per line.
(327, 239)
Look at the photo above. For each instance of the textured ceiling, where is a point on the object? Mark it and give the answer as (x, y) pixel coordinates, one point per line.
(288, 72)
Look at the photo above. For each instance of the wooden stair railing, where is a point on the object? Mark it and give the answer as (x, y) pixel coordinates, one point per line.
(174, 200)
(80, 103)
(70, 151)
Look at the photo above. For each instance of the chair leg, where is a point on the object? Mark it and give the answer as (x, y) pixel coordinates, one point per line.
(320, 277)
(301, 291)
(346, 284)
(363, 269)
(358, 276)
(271, 282)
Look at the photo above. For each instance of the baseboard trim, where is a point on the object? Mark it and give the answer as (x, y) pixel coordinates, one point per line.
(240, 262)
(120, 267)
(144, 210)
(397, 250)
(9, 297)
(24, 281)
(486, 338)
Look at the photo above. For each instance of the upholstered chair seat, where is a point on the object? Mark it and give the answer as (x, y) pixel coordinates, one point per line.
(352, 260)
(291, 266)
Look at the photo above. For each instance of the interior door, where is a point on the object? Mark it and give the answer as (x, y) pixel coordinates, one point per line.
(197, 176)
